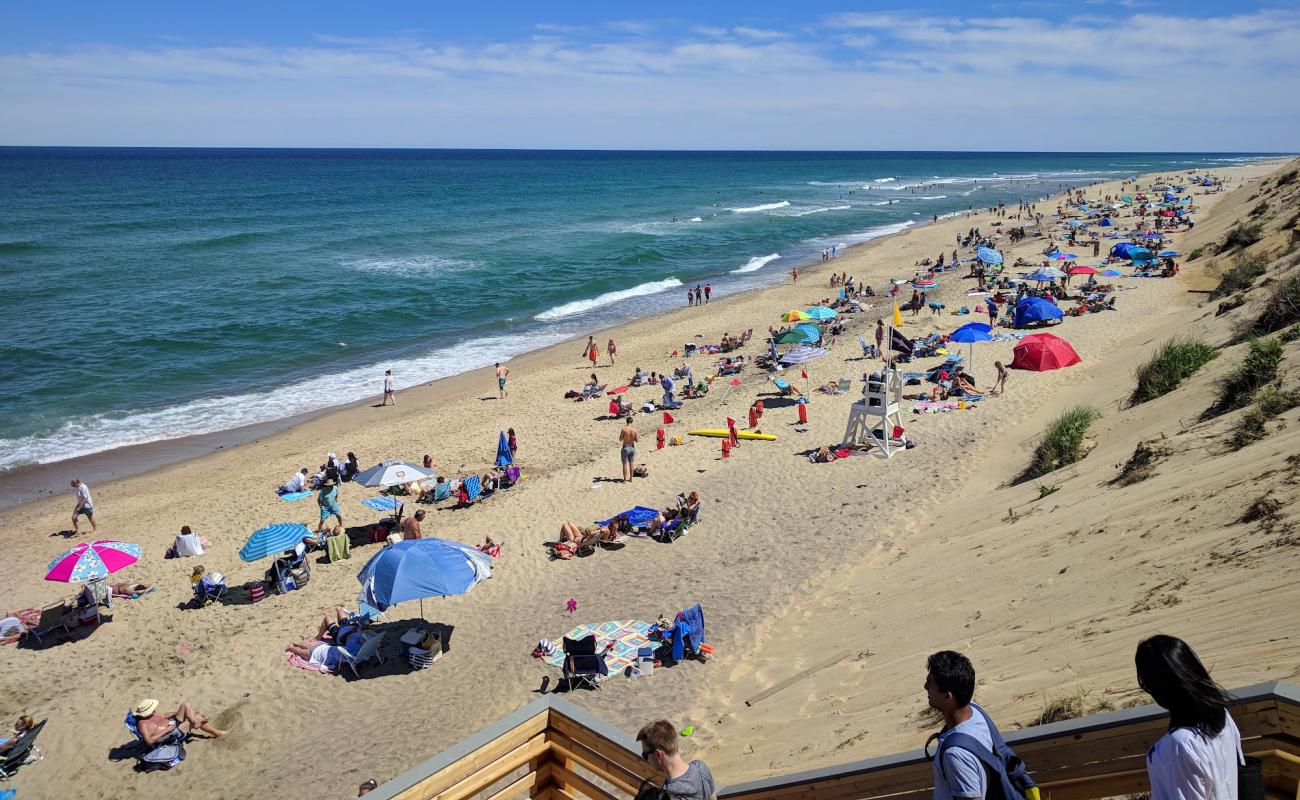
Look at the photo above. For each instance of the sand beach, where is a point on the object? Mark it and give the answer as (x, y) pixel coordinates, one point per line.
(878, 561)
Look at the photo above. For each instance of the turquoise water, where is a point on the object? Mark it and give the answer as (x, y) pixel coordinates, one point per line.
(151, 294)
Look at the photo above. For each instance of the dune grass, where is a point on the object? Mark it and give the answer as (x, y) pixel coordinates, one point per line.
(1258, 369)
(1242, 236)
(1282, 308)
(1173, 362)
(1240, 276)
(1061, 442)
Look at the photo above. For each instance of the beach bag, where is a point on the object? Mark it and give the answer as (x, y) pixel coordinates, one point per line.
(1008, 778)
(641, 471)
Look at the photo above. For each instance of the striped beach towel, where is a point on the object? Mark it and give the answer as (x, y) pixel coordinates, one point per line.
(384, 503)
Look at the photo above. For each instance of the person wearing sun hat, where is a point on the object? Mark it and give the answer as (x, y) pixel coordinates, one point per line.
(155, 727)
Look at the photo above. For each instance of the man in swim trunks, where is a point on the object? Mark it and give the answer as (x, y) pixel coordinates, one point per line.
(85, 505)
(154, 726)
(628, 438)
(328, 500)
(502, 374)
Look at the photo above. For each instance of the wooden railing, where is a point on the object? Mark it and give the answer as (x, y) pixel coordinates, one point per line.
(552, 749)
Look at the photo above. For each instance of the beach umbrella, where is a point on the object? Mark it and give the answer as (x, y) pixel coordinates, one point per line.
(1081, 270)
(1112, 273)
(1168, 254)
(988, 255)
(90, 560)
(1040, 352)
(505, 458)
(796, 336)
(1046, 274)
(971, 333)
(275, 538)
(1139, 254)
(418, 568)
(794, 315)
(821, 313)
(801, 355)
(1064, 257)
(391, 473)
(1035, 309)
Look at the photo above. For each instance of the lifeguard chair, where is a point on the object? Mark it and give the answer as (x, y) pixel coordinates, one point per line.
(874, 418)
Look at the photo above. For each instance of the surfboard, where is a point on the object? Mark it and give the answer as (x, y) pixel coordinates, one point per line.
(721, 433)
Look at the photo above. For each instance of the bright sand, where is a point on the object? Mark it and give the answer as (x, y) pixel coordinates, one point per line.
(793, 562)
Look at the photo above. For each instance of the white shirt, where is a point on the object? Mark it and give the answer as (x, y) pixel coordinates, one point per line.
(296, 484)
(1184, 765)
(965, 772)
(83, 497)
(388, 383)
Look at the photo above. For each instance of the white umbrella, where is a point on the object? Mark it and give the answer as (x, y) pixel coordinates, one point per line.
(800, 355)
(391, 473)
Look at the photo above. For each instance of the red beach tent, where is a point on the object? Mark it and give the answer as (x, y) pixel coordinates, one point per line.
(1040, 352)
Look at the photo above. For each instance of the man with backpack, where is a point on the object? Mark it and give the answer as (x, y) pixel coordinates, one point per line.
(971, 761)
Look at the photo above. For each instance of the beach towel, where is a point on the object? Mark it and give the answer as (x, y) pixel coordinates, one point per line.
(292, 496)
(27, 619)
(637, 515)
(934, 406)
(384, 503)
(302, 663)
(627, 636)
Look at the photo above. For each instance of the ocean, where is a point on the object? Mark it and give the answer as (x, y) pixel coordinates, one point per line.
(151, 294)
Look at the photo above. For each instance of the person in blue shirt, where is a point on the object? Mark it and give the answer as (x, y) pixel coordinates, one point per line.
(949, 685)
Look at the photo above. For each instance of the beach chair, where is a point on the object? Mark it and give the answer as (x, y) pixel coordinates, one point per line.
(783, 386)
(23, 751)
(470, 489)
(369, 652)
(843, 384)
(583, 666)
(52, 619)
(160, 756)
(440, 492)
(98, 592)
(674, 528)
(367, 614)
(209, 588)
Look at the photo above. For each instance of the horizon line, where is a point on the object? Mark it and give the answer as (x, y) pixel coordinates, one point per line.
(622, 149)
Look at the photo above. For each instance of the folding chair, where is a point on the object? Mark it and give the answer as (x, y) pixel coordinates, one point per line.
(674, 529)
(23, 751)
(843, 384)
(369, 652)
(470, 489)
(582, 664)
(160, 756)
(52, 619)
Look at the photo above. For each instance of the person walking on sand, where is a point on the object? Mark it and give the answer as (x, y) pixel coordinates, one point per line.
(593, 352)
(682, 781)
(328, 500)
(627, 452)
(1000, 380)
(502, 374)
(611, 350)
(390, 392)
(708, 292)
(1199, 756)
(85, 505)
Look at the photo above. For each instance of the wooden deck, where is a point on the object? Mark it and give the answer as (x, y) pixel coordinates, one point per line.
(552, 749)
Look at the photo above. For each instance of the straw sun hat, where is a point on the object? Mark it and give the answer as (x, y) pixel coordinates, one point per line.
(146, 708)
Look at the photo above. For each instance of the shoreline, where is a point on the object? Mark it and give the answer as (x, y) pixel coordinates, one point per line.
(29, 483)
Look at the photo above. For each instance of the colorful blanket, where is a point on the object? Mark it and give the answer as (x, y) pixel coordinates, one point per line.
(627, 636)
(29, 617)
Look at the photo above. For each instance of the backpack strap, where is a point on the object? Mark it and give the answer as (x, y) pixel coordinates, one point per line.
(994, 733)
(970, 744)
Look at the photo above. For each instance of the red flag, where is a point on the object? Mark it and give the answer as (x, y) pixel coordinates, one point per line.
(731, 429)
(735, 381)
(804, 374)
(668, 418)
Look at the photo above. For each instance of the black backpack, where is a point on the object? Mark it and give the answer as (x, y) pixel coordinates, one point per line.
(649, 791)
(1008, 778)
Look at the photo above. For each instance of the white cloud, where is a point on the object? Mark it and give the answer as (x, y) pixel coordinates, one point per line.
(866, 80)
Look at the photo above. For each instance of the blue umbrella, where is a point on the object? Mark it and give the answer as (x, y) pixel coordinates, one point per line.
(821, 313)
(970, 333)
(988, 255)
(1035, 309)
(274, 538)
(1064, 257)
(505, 458)
(1112, 273)
(1168, 254)
(418, 568)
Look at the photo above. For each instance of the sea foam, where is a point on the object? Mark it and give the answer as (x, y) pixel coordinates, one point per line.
(608, 298)
(764, 207)
(820, 210)
(756, 263)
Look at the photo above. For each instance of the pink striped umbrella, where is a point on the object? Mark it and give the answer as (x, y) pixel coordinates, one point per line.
(86, 562)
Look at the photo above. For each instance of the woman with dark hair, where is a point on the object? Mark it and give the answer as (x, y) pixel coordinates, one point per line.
(1198, 758)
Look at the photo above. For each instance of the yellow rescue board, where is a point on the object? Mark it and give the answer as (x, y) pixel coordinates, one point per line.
(721, 433)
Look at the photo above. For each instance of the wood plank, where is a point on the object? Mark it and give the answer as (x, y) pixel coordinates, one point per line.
(631, 762)
(532, 779)
(594, 762)
(475, 761)
(570, 780)
(476, 782)
(798, 676)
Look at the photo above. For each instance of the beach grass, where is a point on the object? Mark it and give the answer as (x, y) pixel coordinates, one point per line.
(1240, 276)
(1173, 362)
(1062, 442)
(1282, 308)
(1242, 236)
(1258, 369)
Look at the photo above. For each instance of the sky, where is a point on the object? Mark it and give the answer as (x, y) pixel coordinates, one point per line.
(1090, 75)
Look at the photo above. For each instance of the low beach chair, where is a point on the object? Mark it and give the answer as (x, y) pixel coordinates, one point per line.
(210, 588)
(161, 756)
(583, 666)
(843, 384)
(53, 618)
(23, 751)
(369, 652)
(783, 386)
(674, 528)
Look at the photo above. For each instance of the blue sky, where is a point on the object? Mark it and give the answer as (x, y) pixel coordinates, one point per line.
(1087, 75)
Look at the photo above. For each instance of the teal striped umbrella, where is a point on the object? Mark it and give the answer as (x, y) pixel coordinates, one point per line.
(274, 538)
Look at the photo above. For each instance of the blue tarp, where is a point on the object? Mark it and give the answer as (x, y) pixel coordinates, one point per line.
(637, 515)
(1122, 249)
(1035, 309)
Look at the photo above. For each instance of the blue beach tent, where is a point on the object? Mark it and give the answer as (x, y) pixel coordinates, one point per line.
(1032, 310)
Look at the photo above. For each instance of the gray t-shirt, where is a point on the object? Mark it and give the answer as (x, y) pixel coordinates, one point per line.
(696, 783)
(965, 772)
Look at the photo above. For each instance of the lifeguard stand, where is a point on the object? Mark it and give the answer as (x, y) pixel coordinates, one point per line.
(872, 419)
